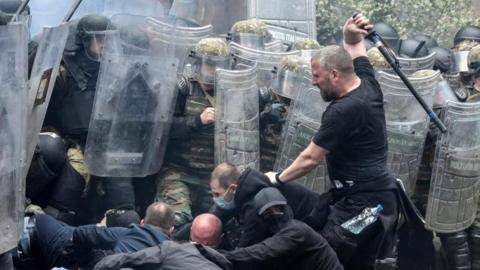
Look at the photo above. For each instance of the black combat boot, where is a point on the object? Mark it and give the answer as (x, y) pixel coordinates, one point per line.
(456, 250)
(474, 244)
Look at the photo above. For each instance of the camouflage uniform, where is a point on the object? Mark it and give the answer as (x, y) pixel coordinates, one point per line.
(190, 153)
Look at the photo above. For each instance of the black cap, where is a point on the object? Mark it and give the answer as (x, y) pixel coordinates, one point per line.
(267, 198)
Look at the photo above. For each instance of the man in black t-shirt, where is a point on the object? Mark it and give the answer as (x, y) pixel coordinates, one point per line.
(353, 140)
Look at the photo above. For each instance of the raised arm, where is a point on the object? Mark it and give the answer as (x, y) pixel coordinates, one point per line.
(354, 32)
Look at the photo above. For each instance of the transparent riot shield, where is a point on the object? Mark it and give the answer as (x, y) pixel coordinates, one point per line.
(410, 65)
(264, 61)
(303, 121)
(295, 15)
(407, 123)
(181, 39)
(52, 12)
(42, 80)
(133, 104)
(455, 183)
(237, 118)
(13, 106)
(47, 13)
(147, 8)
(221, 14)
(307, 55)
(275, 46)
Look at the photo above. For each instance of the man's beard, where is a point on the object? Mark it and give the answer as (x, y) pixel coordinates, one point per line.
(328, 94)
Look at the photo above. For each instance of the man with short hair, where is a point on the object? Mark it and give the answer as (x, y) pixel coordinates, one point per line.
(57, 244)
(199, 253)
(353, 139)
(207, 230)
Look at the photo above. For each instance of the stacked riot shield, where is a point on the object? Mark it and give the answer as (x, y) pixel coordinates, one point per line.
(275, 46)
(265, 62)
(134, 101)
(303, 121)
(288, 20)
(455, 183)
(407, 123)
(183, 39)
(42, 80)
(237, 118)
(221, 14)
(13, 106)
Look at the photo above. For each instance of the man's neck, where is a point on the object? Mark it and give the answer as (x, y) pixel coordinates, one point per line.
(350, 84)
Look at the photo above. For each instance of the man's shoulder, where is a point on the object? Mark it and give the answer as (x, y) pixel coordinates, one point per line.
(349, 105)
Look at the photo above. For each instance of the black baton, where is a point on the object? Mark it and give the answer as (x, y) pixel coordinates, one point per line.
(393, 62)
(72, 11)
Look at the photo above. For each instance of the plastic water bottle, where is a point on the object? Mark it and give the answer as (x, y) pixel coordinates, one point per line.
(368, 216)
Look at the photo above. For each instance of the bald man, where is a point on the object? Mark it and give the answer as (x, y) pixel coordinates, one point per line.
(207, 230)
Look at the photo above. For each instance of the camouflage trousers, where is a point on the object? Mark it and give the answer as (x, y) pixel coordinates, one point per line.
(187, 194)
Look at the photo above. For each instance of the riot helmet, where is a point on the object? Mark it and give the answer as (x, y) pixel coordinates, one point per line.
(210, 54)
(443, 59)
(10, 7)
(290, 75)
(250, 33)
(306, 44)
(411, 48)
(388, 34)
(429, 41)
(91, 33)
(474, 58)
(377, 59)
(467, 33)
(307, 47)
(464, 60)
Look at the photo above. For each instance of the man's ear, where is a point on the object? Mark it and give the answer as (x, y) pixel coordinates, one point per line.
(233, 187)
(142, 221)
(334, 74)
(170, 231)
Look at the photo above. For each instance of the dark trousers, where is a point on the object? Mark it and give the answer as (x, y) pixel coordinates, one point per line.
(6, 262)
(53, 241)
(327, 211)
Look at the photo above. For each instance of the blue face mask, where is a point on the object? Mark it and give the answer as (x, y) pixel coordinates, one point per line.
(222, 203)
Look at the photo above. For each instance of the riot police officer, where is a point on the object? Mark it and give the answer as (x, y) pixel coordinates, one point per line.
(289, 76)
(68, 115)
(189, 157)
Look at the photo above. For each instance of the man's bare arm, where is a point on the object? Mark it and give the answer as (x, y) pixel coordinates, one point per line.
(304, 163)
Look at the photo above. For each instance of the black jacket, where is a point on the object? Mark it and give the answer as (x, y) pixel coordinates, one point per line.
(295, 246)
(250, 182)
(118, 240)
